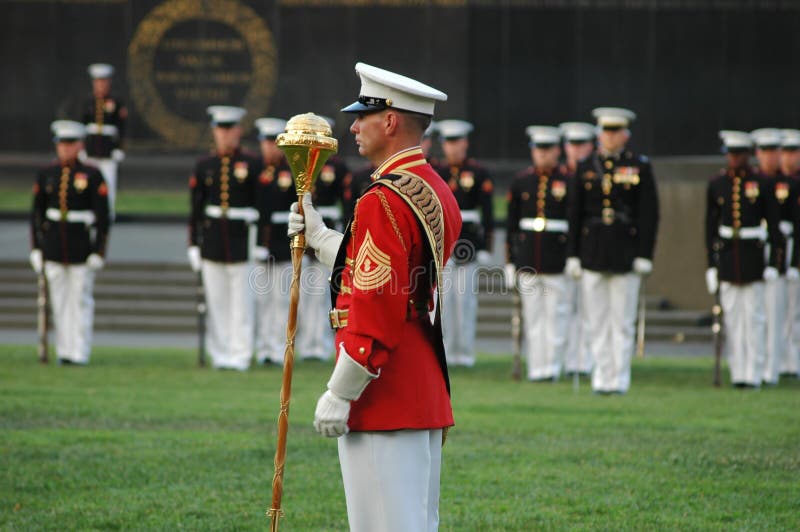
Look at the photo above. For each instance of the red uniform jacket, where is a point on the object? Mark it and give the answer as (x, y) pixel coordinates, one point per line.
(386, 287)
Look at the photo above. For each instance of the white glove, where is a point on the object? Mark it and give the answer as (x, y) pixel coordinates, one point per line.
(323, 240)
(642, 266)
(95, 262)
(484, 257)
(573, 267)
(712, 281)
(193, 253)
(510, 275)
(793, 274)
(770, 273)
(82, 156)
(260, 253)
(347, 382)
(37, 260)
(118, 155)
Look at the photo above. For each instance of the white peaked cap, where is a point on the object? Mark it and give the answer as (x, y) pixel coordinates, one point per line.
(543, 134)
(100, 70)
(736, 139)
(225, 114)
(613, 116)
(270, 127)
(766, 136)
(381, 89)
(453, 129)
(431, 129)
(577, 131)
(67, 129)
(790, 138)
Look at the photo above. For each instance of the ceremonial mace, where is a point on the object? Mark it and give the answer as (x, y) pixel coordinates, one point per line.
(307, 144)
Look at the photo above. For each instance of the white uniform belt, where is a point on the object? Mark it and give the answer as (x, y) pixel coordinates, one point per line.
(471, 216)
(246, 214)
(745, 233)
(331, 212)
(105, 129)
(786, 228)
(543, 224)
(281, 217)
(83, 217)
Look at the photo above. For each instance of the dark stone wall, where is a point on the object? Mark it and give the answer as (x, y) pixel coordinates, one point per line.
(687, 68)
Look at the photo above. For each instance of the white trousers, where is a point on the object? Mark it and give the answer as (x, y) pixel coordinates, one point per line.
(775, 298)
(271, 283)
(108, 167)
(72, 301)
(745, 330)
(546, 319)
(459, 312)
(578, 357)
(391, 480)
(790, 364)
(229, 315)
(314, 333)
(610, 306)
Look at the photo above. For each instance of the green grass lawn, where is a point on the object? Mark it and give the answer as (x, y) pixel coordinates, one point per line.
(128, 201)
(152, 202)
(142, 439)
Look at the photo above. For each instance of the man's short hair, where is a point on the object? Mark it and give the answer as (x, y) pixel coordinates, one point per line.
(421, 121)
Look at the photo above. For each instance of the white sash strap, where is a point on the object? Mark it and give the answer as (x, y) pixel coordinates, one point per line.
(281, 217)
(744, 233)
(329, 212)
(106, 129)
(543, 224)
(471, 216)
(246, 214)
(83, 217)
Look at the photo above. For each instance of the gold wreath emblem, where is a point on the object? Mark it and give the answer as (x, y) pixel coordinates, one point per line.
(147, 39)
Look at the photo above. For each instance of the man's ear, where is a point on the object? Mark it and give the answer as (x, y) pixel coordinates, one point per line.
(391, 121)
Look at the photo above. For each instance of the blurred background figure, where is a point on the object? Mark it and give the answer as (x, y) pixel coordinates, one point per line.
(536, 245)
(104, 116)
(736, 204)
(472, 186)
(69, 233)
(790, 168)
(777, 187)
(226, 200)
(275, 273)
(579, 143)
(613, 219)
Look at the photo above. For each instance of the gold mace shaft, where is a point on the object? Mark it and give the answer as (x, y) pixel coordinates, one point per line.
(307, 144)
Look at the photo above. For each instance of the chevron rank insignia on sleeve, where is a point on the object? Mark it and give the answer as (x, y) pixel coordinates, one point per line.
(373, 267)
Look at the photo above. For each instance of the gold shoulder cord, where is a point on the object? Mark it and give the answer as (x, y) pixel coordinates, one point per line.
(388, 210)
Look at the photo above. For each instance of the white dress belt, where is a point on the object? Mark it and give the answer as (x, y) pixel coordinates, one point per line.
(744, 233)
(471, 216)
(246, 214)
(331, 212)
(543, 224)
(105, 129)
(786, 227)
(84, 217)
(280, 217)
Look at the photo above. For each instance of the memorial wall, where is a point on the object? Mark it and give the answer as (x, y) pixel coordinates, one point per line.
(687, 68)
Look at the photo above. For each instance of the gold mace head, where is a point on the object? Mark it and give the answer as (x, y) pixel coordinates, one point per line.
(307, 143)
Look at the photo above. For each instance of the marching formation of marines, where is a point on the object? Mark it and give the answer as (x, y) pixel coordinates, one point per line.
(580, 236)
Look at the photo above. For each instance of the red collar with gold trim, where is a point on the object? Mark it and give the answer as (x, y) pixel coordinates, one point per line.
(402, 160)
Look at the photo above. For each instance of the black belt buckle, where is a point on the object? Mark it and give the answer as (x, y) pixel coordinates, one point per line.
(607, 215)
